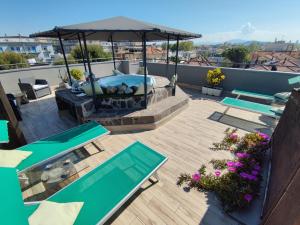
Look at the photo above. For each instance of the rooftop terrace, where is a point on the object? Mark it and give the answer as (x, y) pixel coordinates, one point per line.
(185, 140)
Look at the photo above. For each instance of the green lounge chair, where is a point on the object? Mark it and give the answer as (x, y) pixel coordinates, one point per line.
(280, 97)
(12, 209)
(107, 187)
(250, 106)
(61, 143)
(253, 95)
(4, 131)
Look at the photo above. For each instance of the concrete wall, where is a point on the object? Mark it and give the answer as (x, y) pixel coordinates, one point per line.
(9, 78)
(268, 82)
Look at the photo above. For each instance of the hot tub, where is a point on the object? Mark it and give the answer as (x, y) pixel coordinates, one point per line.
(129, 79)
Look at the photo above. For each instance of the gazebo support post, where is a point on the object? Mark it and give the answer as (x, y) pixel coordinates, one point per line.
(81, 50)
(64, 55)
(176, 64)
(90, 70)
(168, 48)
(113, 51)
(145, 69)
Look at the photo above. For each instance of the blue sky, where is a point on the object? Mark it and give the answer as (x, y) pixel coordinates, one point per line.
(217, 20)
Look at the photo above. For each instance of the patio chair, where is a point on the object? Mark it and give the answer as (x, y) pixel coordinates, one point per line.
(251, 106)
(107, 187)
(62, 143)
(34, 88)
(4, 131)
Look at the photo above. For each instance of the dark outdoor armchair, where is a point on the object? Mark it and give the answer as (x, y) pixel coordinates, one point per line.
(34, 88)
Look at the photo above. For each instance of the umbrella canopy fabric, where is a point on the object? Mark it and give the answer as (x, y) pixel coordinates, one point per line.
(120, 29)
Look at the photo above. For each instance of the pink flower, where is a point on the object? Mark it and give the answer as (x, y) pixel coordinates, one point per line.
(217, 173)
(233, 136)
(230, 164)
(248, 197)
(232, 169)
(242, 155)
(196, 176)
(238, 164)
(257, 167)
(264, 136)
(248, 176)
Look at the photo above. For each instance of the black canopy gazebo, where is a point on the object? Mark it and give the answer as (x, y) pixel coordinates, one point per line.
(116, 29)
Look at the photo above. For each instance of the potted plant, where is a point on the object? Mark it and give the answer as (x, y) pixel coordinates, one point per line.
(214, 79)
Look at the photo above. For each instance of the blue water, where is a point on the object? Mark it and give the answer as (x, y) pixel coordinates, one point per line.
(130, 80)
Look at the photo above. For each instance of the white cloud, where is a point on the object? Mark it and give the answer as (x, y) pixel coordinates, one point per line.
(249, 32)
(247, 29)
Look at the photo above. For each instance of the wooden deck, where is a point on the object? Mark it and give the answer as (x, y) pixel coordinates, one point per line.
(184, 139)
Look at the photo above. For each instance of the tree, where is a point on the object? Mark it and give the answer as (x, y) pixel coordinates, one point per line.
(95, 52)
(183, 46)
(186, 46)
(237, 55)
(12, 60)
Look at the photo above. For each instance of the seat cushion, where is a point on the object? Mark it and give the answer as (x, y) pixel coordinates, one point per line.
(283, 95)
(12, 158)
(28, 80)
(49, 213)
(87, 88)
(37, 87)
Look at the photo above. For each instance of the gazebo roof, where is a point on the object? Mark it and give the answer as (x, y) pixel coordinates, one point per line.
(120, 28)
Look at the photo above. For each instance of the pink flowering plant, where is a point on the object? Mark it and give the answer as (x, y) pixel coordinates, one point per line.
(236, 182)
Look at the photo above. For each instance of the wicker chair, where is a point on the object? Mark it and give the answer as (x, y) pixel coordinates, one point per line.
(34, 88)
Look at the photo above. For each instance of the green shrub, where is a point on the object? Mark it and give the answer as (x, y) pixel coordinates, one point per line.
(77, 74)
(61, 61)
(12, 60)
(95, 52)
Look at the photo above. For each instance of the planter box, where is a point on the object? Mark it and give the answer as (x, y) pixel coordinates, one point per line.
(212, 91)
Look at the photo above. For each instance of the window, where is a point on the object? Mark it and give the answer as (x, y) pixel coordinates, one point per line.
(33, 49)
(12, 48)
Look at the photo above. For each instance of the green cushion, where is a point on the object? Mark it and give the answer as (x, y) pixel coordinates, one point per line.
(61, 143)
(12, 211)
(250, 106)
(253, 94)
(106, 186)
(4, 131)
(294, 80)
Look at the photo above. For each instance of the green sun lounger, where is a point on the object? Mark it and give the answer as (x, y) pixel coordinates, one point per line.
(107, 187)
(4, 131)
(250, 106)
(294, 80)
(253, 95)
(61, 143)
(12, 209)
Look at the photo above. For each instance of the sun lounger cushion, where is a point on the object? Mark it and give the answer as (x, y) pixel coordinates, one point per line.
(294, 80)
(283, 95)
(108, 186)
(12, 158)
(61, 143)
(50, 213)
(250, 106)
(253, 94)
(3, 131)
(12, 210)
